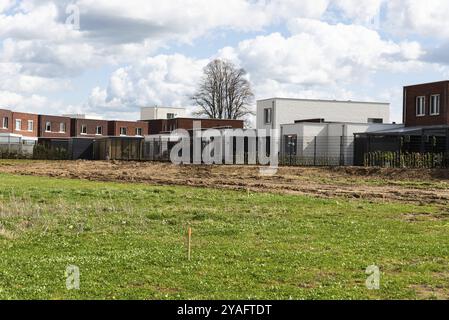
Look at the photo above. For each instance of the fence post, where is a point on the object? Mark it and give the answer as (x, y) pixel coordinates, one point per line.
(314, 151)
(342, 155)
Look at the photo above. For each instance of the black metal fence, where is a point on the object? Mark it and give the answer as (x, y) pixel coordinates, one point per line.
(407, 160)
(317, 151)
(430, 149)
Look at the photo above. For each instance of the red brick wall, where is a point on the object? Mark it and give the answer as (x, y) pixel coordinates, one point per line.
(131, 126)
(91, 124)
(6, 114)
(55, 126)
(410, 95)
(25, 117)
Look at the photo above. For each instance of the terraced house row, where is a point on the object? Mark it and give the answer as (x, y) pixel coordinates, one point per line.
(30, 127)
(94, 138)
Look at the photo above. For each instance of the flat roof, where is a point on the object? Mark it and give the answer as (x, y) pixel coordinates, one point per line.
(329, 101)
(408, 130)
(427, 83)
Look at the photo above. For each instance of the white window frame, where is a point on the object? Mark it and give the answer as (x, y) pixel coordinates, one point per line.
(139, 132)
(83, 126)
(30, 126)
(421, 108)
(5, 123)
(125, 130)
(48, 126)
(171, 115)
(18, 128)
(99, 132)
(62, 127)
(268, 115)
(435, 105)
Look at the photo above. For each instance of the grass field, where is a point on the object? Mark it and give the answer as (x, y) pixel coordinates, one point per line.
(129, 241)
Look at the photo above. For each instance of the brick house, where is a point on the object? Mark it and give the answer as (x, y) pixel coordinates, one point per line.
(25, 124)
(5, 121)
(127, 128)
(88, 128)
(426, 104)
(425, 130)
(54, 127)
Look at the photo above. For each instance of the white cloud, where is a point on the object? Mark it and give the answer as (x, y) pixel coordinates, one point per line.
(320, 54)
(6, 4)
(318, 61)
(426, 18)
(359, 11)
(167, 80)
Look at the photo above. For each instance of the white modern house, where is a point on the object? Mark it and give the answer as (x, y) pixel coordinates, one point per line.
(274, 112)
(161, 113)
(321, 132)
(328, 143)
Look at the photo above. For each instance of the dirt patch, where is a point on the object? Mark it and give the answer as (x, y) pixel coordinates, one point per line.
(424, 217)
(349, 182)
(425, 292)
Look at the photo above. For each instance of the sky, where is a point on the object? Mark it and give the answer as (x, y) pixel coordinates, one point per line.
(108, 58)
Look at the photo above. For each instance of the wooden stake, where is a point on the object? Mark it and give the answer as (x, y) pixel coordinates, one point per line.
(189, 242)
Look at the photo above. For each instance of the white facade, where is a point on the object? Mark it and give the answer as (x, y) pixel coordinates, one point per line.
(332, 142)
(286, 111)
(160, 113)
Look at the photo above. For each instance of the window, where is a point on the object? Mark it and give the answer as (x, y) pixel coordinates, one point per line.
(435, 105)
(62, 127)
(123, 131)
(375, 120)
(83, 129)
(138, 131)
(48, 126)
(30, 125)
(99, 131)
(420, 106)
(267, 116)
(171, 115)
(18, 124)
(5, 123)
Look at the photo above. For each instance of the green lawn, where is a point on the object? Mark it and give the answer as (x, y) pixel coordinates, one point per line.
(129, 241)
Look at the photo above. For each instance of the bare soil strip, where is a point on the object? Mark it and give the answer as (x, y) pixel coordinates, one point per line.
(413, 186)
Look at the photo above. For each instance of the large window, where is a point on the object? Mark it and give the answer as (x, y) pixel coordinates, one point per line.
(62, 127)
(83, 129)
(123, 131)
(30, 125)
(267, 116)
(5, 123)
(435, 105)
(170, 115)
(18, 124)
(48, 126)
(99, 131)
(138, 131)
(421, 106)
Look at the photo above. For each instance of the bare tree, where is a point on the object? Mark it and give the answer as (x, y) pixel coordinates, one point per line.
(224, 92)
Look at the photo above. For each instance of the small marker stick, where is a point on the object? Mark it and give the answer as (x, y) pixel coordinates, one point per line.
(189, 242)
